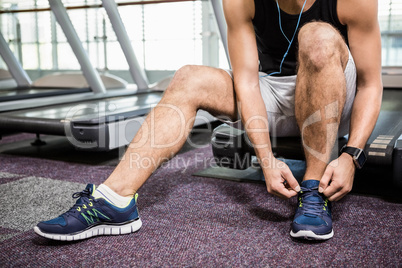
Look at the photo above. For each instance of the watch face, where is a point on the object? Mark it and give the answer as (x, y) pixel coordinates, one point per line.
(360, 159)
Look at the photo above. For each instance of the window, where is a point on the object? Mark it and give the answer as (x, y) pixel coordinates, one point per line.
(390, 19)
(164, 36)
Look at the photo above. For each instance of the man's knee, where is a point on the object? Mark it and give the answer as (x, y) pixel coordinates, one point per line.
(320, 44)
(186, 81)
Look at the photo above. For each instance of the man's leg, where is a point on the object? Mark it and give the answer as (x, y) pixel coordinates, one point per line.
(167, 126)
(320, 93)
(111, 208)
(319, 101)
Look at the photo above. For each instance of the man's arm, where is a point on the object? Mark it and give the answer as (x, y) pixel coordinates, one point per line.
(244, 61)
(364, 36)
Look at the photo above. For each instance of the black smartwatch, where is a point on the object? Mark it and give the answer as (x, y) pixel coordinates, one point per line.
(358, 155)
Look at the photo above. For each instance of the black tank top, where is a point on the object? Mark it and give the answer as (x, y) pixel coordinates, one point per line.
(272, 45)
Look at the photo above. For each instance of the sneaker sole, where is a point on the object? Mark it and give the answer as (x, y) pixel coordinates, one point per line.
(310, 235)
(94, 231)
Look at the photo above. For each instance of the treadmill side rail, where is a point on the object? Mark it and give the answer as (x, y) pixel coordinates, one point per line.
(397, 162)
(108, 133)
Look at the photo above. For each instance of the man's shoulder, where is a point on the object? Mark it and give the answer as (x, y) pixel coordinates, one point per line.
(352, 11)
(244, 8)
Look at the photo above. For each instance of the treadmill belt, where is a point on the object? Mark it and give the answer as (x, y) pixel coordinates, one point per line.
(52, 119)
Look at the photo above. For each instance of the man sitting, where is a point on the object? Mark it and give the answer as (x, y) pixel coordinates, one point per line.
(301, 67)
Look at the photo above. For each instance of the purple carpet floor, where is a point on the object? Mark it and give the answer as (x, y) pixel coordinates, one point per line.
(188, 221)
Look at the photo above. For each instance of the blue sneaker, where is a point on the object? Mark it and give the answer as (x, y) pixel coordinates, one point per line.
(91, 217)
(313, 219)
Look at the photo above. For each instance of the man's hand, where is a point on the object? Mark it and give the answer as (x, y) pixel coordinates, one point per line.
(337, 180)
(279, 179)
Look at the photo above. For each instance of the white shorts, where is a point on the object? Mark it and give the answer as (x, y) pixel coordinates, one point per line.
(278, 93)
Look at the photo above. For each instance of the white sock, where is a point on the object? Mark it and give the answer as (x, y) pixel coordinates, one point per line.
(111, 196)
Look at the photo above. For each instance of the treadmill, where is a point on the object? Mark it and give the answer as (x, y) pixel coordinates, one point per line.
(28, 94)
(96, 125)
(19, 86)
(97, 120)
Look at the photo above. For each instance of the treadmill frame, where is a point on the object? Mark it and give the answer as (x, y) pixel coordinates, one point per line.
(97, 89)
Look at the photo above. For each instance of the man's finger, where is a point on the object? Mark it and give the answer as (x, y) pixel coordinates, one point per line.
(331, 190)
(325, 179)
(337, 196)
(285, 193)
(291, 180)
(281, 191)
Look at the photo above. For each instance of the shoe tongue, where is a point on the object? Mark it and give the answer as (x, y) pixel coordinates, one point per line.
(311, 184)
(91, 188)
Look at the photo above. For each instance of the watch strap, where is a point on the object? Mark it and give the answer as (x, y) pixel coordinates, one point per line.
(351, 150)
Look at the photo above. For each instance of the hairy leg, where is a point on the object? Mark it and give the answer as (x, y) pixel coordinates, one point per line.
(320, 93)
(168, 125)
